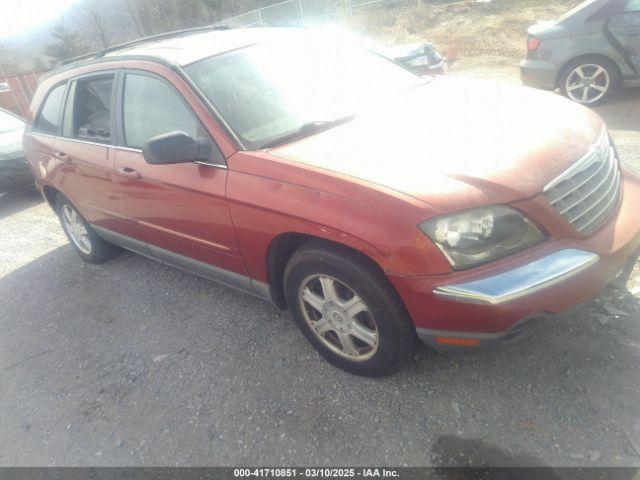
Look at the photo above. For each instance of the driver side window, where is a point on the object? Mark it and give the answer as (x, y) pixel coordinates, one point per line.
(150, 108)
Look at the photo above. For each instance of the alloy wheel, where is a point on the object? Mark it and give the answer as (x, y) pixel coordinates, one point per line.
(76, 229)
(339, 317)
(588, 83)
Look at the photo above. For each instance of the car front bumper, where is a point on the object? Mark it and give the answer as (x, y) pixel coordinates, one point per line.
(510, 299)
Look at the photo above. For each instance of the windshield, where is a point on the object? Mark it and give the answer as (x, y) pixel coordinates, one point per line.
(267, 91)
(9, 122)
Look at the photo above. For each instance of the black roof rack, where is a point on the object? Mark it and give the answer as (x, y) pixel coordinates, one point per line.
(139, 41)
(92, 61)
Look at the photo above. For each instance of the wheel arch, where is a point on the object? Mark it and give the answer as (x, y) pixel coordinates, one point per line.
(585, 56)
(282, 248)
(50, 193)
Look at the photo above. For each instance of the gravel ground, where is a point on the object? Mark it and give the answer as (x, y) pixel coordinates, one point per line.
(136, 363)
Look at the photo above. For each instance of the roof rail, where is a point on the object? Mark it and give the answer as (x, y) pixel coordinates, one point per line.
(92, 61)
(160, 36)
(138, 41)
(79, 58)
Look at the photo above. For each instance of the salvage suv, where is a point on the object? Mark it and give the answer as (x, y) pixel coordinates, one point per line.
(379, 207)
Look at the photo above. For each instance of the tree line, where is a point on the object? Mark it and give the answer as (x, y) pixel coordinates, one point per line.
(96, 24)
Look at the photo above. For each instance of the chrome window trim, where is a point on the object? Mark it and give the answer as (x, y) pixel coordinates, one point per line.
(520, 281)
(86, 142)
(128, 149)
(117, 147)
(46, 135)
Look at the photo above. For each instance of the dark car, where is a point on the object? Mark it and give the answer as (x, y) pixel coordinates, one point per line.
(587, 53)
(15, 175)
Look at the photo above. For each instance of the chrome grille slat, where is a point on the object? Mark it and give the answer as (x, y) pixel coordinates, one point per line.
(579, 185)
(587, 193)
(610, 183)
(610, 202)
(606, 164)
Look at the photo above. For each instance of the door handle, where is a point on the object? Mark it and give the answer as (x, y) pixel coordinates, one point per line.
(129, 172)
(62, 156)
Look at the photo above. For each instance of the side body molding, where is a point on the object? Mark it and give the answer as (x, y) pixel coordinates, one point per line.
(196, 267)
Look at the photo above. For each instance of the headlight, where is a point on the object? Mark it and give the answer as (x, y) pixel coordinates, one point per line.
(481, 235)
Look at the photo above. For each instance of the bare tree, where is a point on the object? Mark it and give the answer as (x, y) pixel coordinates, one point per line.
(8, 64)
(133, 7)
(93, 13)
(66, 43)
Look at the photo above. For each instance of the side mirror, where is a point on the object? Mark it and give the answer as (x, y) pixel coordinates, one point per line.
(174, 147)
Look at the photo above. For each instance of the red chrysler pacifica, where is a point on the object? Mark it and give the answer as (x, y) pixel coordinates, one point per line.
(378, 206)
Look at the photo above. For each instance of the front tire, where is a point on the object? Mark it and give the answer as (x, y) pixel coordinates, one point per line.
(589, 81)
(86, 242)
(348, 310)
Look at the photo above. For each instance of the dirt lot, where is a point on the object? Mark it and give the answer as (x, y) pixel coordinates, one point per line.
(136, 363)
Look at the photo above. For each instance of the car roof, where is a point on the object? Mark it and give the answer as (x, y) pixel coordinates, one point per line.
(583, 11)
(185, 49)
(179, 48)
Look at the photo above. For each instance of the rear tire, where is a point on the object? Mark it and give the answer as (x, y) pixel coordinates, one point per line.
(357, 321)
(85, 241)
(589, 80)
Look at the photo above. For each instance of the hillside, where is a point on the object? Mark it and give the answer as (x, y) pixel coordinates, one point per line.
(490, 32)
(494, 30)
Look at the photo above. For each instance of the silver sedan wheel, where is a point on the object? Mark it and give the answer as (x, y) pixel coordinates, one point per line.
(338, 317)
(588, 83)
(77, 231)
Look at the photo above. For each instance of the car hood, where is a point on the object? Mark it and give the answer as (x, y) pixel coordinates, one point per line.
(455, 143)
(11, 144)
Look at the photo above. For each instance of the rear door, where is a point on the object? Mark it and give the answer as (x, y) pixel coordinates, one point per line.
(625, 28)
(85, 147)
(180, 209)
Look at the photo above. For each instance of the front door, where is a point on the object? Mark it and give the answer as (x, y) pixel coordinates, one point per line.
(180, 209)
(625, 28)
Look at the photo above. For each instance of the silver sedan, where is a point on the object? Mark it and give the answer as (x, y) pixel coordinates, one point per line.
(587, 53)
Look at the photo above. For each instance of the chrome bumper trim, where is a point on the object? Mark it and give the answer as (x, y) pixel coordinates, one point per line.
(521, 281)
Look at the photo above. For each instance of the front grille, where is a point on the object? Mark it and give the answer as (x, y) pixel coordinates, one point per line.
(588, 193)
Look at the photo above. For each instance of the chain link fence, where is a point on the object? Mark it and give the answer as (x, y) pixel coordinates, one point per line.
(305, 12)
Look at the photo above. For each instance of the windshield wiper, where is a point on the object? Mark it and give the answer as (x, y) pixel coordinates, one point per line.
(306, 130)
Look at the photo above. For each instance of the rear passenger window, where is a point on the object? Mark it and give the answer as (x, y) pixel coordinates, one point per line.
(47, 121)
(150, 108)
(92, 109)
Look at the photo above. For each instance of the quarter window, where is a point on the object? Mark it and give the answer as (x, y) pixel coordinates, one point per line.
(92, 109)
(150, 108)
(48, 119)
